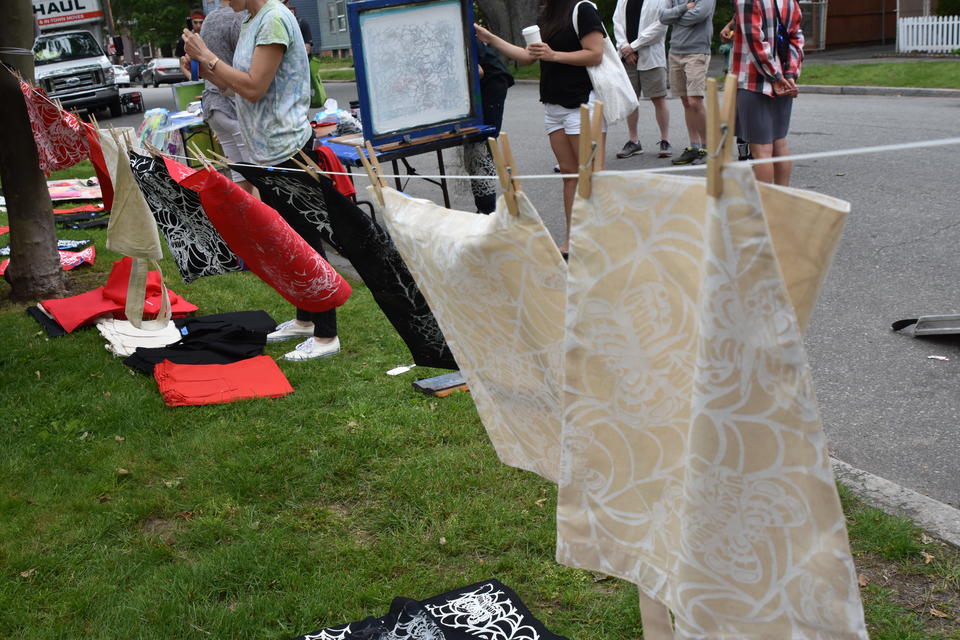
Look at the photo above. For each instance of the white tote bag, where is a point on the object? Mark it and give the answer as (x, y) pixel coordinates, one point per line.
(609, 79)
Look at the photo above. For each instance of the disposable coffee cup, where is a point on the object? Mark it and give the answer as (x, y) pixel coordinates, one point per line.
(531, 35)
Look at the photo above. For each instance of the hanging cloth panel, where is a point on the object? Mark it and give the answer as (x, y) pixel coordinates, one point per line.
(318, 211)
(268, 245)
(197, 248)
(60, 136)
(99, 163)
(496, 285)
(694, 460)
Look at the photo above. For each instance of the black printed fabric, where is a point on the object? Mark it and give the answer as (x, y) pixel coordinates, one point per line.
(486, 610)
(215, 339)
(197, 248)
(317, 211)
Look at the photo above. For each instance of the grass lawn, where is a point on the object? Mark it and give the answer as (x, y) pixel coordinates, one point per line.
(942, 74)
(122, 518)
(939, 74)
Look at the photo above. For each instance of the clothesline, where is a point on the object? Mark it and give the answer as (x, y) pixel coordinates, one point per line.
(816, 155)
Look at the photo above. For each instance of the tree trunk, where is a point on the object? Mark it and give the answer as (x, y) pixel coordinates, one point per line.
(507, 18)
(34, 271)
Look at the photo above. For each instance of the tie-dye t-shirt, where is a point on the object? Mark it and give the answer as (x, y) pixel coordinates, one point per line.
(277, 125)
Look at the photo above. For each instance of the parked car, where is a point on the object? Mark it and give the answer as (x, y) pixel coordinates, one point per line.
(135, 70)
(120, 76)
(162, 70)
(71, 67)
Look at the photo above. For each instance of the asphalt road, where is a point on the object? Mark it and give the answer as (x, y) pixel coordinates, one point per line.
(887, 407)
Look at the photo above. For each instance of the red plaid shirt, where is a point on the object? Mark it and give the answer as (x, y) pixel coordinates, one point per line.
(755, 61)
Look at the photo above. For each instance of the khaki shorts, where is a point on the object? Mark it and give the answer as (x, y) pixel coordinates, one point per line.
(653, 82)
(688, 73)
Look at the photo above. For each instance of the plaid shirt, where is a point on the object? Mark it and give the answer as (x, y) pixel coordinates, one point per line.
(755, 61)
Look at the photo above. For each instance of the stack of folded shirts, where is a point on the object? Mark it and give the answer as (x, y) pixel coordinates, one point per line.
(200, 384)
(123, 338)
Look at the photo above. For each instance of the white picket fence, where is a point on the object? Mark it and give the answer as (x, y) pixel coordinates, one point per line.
(934, 34)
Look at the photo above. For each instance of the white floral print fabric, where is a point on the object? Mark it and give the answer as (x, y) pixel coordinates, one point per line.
(693, 459)
(496, 286)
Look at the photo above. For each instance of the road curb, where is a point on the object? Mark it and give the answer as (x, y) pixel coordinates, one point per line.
(936, 518)
(907, 92)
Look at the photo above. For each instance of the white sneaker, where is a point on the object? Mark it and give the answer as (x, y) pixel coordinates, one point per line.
(310, 349)
(289, 329)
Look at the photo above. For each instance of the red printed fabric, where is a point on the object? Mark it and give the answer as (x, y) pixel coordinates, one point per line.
(100, 167)
(3, 230)
(268, 245)
(68, 259)
(119, 280)
(199, 384)
(328, 161)
(84, 208)
(60, 136)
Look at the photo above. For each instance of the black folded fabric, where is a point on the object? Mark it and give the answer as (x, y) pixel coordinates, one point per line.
(68, 219)
(487, 610)
(215, 339)
(51, 326)
(90, 224)
(318, 212)
(197, 248)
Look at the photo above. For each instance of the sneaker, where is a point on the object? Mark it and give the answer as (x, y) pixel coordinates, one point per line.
(688, 156)
(701, 157)
(665, 149)
(310, 349)
(630, 149)
(289, 329)
(556, 168)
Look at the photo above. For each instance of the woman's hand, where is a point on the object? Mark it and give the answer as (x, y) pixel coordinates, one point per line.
(542, 51)
(483, 35)
(196, 49)
(185, 65)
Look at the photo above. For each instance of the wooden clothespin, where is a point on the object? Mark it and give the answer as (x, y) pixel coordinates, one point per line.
(199, 155)
(505, 168)
(721, 130)
(591, 147)
(311, 167)
(219, 157)
(372, 167)
(152, 150)
(310, 171)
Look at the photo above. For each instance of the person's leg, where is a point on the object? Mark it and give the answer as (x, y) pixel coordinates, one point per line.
(781, 170)
(695, 69)
(227, 130)
(763, 172)
(632, 146)
(662, 113)
(565, 148)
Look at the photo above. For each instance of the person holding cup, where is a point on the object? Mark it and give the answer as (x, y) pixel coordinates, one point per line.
(564, 82)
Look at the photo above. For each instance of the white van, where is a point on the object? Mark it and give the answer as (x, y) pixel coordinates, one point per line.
(71, 67)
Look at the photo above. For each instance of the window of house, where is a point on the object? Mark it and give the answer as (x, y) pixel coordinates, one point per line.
(342, 14)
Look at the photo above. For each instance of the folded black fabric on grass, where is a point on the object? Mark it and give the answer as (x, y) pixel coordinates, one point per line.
(487, 610)
(51, 326)
(318, 212)
(196, 247)
(216, 339)
(62, 245)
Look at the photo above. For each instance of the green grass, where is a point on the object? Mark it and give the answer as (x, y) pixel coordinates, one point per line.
(123, 518)
(932, 74)
(928, 74)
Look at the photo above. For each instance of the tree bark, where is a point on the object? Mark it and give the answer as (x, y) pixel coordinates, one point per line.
(34, 271)
(507, 18)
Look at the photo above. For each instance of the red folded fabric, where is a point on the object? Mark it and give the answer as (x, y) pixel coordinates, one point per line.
(199, 384)
(268, 245)
(328, 161)
(80, 310)
(68, 259)
(119, 279)
(60, 136)
(3, 230)
(82, 208)
(100, 166)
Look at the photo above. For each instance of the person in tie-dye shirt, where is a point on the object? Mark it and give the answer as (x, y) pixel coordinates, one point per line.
(270, 75)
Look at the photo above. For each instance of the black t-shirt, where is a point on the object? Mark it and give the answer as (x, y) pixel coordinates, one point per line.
(563, 84)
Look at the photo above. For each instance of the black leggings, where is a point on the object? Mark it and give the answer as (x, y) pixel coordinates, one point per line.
(324, 322)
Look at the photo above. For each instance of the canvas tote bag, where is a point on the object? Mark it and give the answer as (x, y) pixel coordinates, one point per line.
(609, 79)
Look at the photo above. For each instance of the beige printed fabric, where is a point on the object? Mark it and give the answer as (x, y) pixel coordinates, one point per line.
(693, 458)
(496, 286)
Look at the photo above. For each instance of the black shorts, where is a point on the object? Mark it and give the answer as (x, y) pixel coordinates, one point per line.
(762, 119)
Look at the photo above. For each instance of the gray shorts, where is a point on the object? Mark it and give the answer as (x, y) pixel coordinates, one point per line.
(762, 119)
(653, 82)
